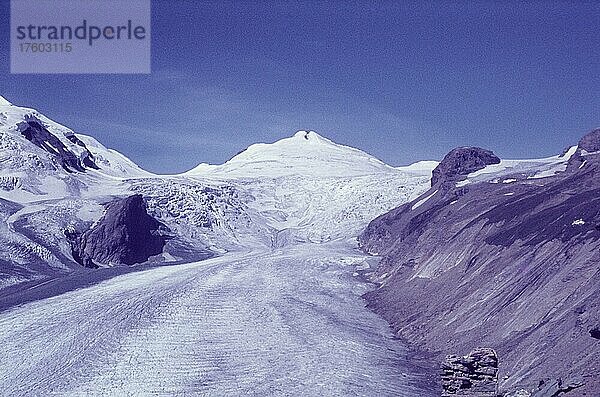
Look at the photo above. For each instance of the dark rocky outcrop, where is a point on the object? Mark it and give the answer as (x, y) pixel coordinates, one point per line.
(474, 375)
(461, 162)
(588, 151)
(88, 158)
(34, 131)
(512, 266)
(126, 234)
(591, 141)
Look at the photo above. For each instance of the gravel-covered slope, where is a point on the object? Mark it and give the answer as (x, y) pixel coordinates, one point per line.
(512, 264)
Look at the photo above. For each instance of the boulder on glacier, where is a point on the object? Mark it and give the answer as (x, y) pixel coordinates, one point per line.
(126, 234)
(461, 162)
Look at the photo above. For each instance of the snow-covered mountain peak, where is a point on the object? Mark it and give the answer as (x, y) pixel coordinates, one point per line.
(4, 102)
(301, 141)
(305, 153)
(39, 157)
(302, 134)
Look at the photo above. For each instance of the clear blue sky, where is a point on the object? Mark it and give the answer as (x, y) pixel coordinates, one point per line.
(403, 81)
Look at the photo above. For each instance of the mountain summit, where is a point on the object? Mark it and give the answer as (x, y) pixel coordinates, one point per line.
(304, 153)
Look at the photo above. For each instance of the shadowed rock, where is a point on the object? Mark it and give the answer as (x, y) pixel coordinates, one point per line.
(474, 375)
(126, 234)
(35, 132)
(461, 162)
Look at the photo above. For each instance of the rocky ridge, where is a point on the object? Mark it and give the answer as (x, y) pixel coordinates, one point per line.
(510, 263)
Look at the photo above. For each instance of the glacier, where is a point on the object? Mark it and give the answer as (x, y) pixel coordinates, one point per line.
(277, 310)
(263, 323)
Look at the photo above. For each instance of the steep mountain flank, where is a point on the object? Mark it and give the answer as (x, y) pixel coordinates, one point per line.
(510, 264)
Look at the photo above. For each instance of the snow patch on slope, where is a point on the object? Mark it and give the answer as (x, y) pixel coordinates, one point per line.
(423, 201)
(527, 169)
(424, 167)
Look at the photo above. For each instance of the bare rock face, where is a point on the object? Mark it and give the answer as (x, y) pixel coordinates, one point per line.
(461, 162)
(591, 141)
(35, 132)
(588, 151)
(474, 375)
(126, 234)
